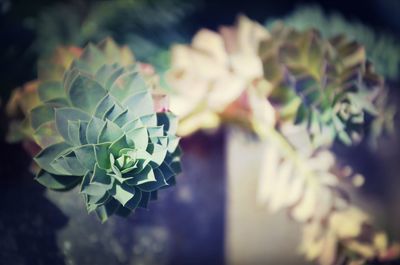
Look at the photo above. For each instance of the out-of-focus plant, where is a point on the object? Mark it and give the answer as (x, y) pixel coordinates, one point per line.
(306, 87)
(322, 89)
(383, 49)
(127, 21)
(216, 72)
(24, 99)
(313, 187)
(328, 85)
(104, 126)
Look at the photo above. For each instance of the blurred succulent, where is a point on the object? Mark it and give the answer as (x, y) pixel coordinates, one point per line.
(384, 121)
(313, 188)
(327, 84)
(307, 91)
(24, 99)
(77, 23)
(383, 48)
(213, 73)
(347, 237)
(99, 128)
(321, 89)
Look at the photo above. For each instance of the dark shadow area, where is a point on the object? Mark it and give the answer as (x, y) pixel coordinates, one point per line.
(28, 220)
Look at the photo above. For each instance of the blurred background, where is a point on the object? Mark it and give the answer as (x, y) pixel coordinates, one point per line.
(189, 225)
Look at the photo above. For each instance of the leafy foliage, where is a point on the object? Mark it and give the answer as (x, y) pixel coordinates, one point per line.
(99, 129)
(127, 21)
(312, 187)
(214, 72)
(322, 89)
(383, 49)
(326, 84)
(310, 91)
(24, 99)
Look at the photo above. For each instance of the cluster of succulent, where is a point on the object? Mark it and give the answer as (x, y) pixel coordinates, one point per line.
(298, 92)
(383, 48)
(327, 84)
(322, 90)
(102, 124)
(100, 120)
(313, 187)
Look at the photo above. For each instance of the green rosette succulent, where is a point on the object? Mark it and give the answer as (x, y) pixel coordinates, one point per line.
(326, 84)
(99, 129)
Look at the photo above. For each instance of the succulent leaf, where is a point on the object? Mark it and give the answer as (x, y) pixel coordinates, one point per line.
(57, 182)
(330, 81)
(213, 72)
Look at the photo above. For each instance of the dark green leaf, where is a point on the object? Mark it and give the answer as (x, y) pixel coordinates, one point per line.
(57, 182)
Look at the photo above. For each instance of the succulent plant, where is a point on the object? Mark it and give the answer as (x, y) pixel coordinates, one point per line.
(322, 89)
(313, 187)
(326, 84)
(213, 73)
(21, 101)
(383, 48)
(99, 129)
(25, 98)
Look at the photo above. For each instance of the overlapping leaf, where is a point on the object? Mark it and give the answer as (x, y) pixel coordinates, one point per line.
(326, 84)
(99, 129)
(213, 72)
(309, 185)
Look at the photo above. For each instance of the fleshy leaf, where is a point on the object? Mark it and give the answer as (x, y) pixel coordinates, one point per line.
(108, 73)
(152, 186)
(169, 121)
(40, 115)
(118, 145)
(133, 203)
(49, 154)
(124, 118)
(138, 137)
(123, 193)
(85, 93)
(110, 132)
(93, 58)
(102, 155)
(106, 210)
(145, 200)
(93, 130)
(47, 134)
(128, 84)
(149, 120)
(113, 112)
(68, 164)
(140, 103)
(73, 132)
(57, 182)
(86, 156)
(51, 90)
(65, 115)
(144, 176)
(101, 177)
(104, 105)
(133, 124)
(157, 152)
